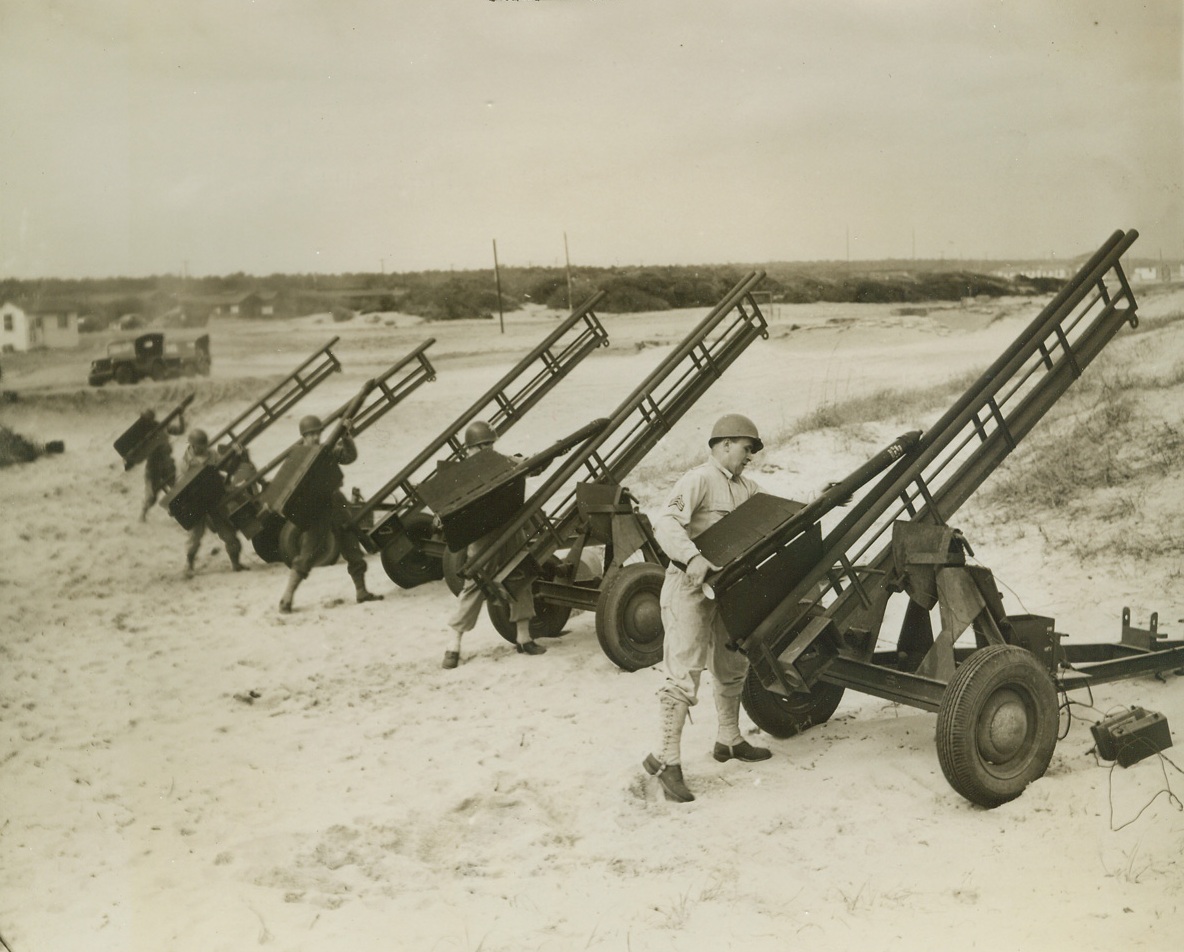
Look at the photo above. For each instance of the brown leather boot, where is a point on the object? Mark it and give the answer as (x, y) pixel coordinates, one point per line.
(668, 769)
(670, 777)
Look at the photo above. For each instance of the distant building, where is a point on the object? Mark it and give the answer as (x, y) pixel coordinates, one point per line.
(249, 306)
(31, 327)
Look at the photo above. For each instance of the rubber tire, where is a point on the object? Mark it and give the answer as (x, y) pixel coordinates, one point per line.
(124, 375)
(786, 716)
(451, 564)
(156, 370)
(548, 620)
(415, 568)
(266, 541)
(1008, 687)
(289, 546)
(629, 616)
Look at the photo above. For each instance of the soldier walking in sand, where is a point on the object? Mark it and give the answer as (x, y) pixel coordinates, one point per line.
(695, 637)
(160, 469)
(479, 438)
(331, 517)
(197, 455)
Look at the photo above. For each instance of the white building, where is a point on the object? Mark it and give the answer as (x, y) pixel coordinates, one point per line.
(33, 327)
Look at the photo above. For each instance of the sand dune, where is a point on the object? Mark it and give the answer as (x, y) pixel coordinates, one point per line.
(183, 768)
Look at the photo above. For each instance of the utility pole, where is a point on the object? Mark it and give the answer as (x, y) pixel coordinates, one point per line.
(497, 277)
(567, 258)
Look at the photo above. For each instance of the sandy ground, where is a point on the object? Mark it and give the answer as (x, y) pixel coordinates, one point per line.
(183, 768)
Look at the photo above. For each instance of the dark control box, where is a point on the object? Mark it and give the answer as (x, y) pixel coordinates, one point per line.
(1129, 736)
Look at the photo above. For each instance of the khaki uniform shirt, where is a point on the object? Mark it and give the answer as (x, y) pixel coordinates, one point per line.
(701, 497)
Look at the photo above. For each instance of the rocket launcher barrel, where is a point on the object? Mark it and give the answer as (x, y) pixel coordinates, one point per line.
(345, 421)
(835, 495)
(533, 465)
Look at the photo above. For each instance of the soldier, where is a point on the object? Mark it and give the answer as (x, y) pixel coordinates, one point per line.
(160, 469)
(331, 518)
(695, 637)
(198, 454)
(479, 438)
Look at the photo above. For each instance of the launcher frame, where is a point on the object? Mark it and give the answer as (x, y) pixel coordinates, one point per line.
(585, 504)
(817, 633)
(393, 522)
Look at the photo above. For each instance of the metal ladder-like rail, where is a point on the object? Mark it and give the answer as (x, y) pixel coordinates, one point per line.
(416, 370)
(641, 420)
(954, 457)
(281, 398)
(502, 405)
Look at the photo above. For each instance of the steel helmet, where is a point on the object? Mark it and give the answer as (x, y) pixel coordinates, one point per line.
(310, 424)
(477, 433)
(199, 440)
(733, 426)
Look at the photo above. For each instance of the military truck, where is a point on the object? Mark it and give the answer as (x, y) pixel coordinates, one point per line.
(149, 356)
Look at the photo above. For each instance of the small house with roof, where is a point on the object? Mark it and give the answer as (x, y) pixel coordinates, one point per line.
(35, 326)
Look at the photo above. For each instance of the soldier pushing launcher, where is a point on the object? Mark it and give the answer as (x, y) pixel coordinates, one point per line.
(479, 438)
(147, 441)
(199, 455)
(160, 469)
(307, 491)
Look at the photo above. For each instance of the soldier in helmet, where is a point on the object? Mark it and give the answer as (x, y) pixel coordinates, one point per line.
(695, 637)
(197, 454)
(479, 438)
(332, 519)
(160, 469)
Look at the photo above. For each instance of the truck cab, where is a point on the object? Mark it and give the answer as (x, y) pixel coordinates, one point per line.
(148, 355)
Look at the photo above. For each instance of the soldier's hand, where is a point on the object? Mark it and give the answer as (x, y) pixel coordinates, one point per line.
(698, 568)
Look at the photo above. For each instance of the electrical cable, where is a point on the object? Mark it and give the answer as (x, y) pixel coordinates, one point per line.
(1167, 788)
(1006, 586)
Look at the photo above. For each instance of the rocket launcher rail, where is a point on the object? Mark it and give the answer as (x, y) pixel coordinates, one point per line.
(641, 420)
(384, 396)
(199, 491)
(281, 398)
(795, 642)
(387, 392)
(531, 378)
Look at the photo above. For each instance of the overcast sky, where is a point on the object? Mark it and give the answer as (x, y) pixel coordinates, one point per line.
(213, 136)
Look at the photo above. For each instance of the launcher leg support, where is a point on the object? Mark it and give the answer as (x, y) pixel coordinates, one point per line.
(959, 605)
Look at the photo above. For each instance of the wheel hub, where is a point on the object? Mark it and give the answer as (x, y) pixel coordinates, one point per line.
(1004, 726)
(645, 618)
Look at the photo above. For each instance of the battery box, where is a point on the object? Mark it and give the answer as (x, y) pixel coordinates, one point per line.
(1129, 736)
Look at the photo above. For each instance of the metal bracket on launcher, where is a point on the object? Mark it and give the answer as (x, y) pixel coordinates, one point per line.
(1141, 638)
